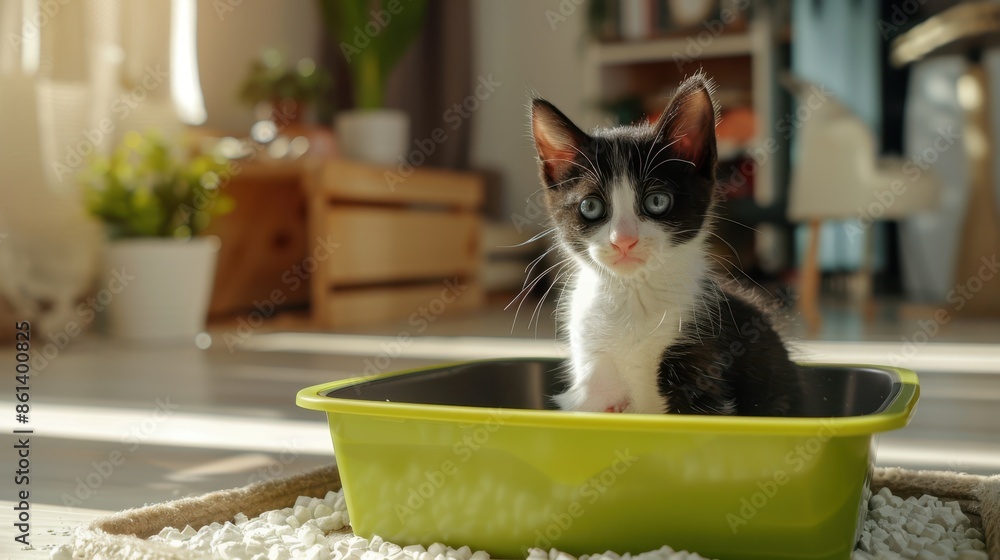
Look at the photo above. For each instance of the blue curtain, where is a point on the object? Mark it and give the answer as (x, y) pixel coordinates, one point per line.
(836, 43)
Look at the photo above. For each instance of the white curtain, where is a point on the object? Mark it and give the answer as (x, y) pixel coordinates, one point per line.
(74, 78)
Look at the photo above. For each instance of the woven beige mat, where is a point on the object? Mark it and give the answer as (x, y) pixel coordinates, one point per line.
(123, 535)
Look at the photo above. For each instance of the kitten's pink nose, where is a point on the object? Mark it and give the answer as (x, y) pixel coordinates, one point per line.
(623, 242)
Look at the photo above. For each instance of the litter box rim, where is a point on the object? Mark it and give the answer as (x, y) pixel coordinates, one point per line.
(896, 414)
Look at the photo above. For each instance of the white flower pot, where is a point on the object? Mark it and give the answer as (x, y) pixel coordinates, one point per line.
(158, 288)
(379, 136)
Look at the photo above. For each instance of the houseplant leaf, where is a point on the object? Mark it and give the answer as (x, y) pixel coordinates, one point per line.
(371, 51)
(144, 190)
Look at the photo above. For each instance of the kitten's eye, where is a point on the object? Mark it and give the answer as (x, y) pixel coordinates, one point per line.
(592, 208)
(657, 204)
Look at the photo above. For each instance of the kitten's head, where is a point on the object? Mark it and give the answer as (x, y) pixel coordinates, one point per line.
(624, 197)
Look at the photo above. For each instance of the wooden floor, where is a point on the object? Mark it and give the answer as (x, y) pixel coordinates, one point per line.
(182, 421)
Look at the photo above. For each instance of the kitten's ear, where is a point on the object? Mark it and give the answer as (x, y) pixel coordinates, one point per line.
(688, 123)
(558, 141)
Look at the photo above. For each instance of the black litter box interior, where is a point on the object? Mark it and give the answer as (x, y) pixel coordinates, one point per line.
(529, 384)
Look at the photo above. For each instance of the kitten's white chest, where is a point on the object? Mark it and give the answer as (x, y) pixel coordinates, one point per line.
(618, 333)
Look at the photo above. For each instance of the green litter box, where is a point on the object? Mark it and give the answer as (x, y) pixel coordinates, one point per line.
(472, 454)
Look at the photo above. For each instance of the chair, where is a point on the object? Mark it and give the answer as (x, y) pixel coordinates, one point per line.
(837, 175)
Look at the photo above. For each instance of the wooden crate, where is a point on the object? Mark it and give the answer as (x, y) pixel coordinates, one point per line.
(262, 239)
(398, 251)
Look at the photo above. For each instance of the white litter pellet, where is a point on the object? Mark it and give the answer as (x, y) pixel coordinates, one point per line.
(230, 550)
(333, 522)
(663, 553)
(317, 552)
(61, 552)
(923, 528)
(302, 501)
(301, 531)
(302, 513)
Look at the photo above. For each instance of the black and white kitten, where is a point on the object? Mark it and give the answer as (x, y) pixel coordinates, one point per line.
(652, 329)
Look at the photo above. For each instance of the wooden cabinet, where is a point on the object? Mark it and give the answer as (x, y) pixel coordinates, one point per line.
(390, 249)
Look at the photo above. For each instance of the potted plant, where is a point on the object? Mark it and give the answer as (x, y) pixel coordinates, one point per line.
(289, 90)
(373, 36)
(153, 203)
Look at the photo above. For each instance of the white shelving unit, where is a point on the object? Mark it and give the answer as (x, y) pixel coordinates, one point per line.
(654, 49)
(758, 45)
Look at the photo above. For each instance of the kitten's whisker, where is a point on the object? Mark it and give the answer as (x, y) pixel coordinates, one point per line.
(597, 156)
(738, 267)
(538, 307)
(666, 146)
(583, 178)
(541, 301)
(554, 185)
(528, 285)
(574, 267)
(649, 158)
(662, 319)
(722, 296)
(718, 217)
(691, 163)
(531, 266)
(532, 240)
(645, 161)
(523, 294)
(694, 310)
(731, 248)
(557, 311)
(700, 298)
(748, 277)
(645, 169)
(578, 164)
(579, 151)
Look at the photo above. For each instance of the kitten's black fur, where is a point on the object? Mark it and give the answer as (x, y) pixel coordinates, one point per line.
(728, 361)
(742, 363)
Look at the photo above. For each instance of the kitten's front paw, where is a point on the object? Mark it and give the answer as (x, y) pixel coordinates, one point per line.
(576, 400)
(620, 407)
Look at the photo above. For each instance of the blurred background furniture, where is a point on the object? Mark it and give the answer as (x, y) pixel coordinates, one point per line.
(263, 237)
(837, 175)
(394, 247)
(968, 29)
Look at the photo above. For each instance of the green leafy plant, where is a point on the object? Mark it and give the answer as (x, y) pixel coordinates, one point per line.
(373, 35)
(144, 190)
(270, 79)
